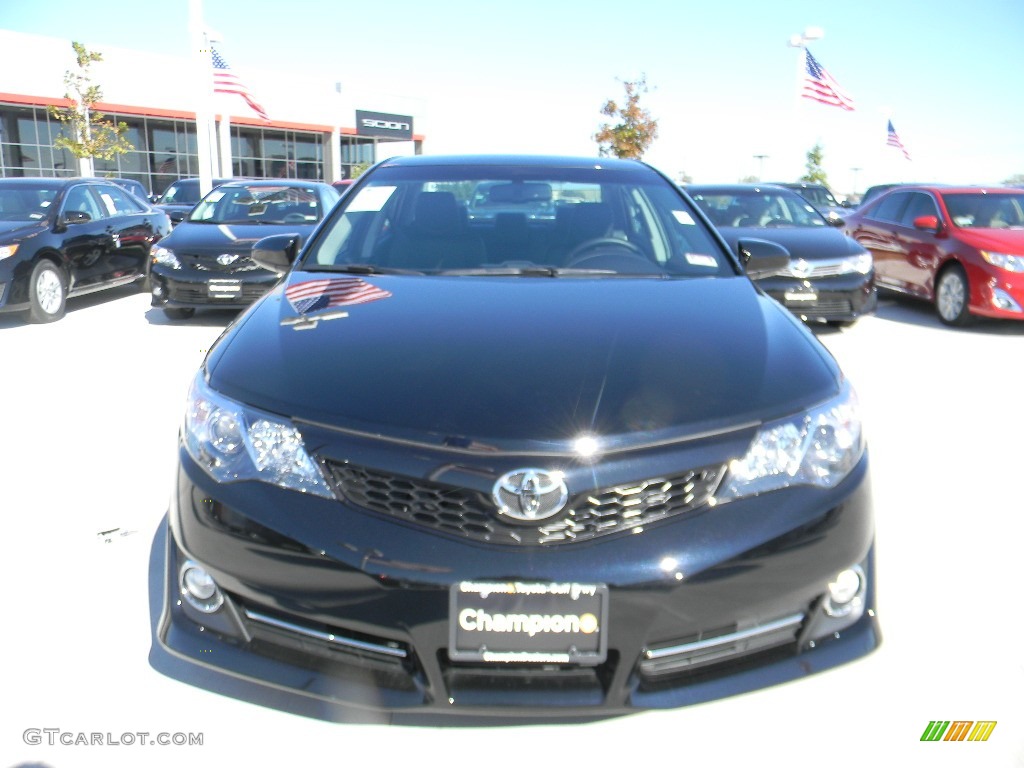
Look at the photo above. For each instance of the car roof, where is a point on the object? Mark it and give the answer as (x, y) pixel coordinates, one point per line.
(534, 161)
(274, 183)
(726, 189)
(946, 189)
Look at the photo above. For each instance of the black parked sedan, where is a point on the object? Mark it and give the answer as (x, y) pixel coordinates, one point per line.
(181, 196)
(830, 277)
(576, 464)
(206, 261)
(67, 237)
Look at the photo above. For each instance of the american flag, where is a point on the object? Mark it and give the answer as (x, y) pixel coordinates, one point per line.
(224, 81)
(819, 85)
(894, 141)
(314, 295)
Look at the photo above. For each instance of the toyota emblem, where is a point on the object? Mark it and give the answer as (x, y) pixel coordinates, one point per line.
(227, 258)
(530, 494)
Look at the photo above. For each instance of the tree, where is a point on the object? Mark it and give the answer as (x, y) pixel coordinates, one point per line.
(749, 180)
(636, 129)
(1015, 181)
(815, 173)
(85, 132)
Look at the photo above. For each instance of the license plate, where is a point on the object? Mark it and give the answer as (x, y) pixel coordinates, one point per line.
(794, 296)
(540, 622)
(225, 289)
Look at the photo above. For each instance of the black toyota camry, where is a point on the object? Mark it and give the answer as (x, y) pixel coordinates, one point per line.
(519, 465)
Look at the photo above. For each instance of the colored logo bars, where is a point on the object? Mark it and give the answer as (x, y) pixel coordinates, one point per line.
(958, 730)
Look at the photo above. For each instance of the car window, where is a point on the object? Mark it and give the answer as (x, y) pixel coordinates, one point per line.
(259, 204)
(81, 198)
(117, 201)
(920, 204)
(181, 193)
(890, 208)
(757, 208)
(978, 210)
(427, 220)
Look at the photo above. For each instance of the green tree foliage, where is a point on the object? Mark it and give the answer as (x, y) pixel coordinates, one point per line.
(636, 129)
(1015, 181)
(86, 132)
(815, 173)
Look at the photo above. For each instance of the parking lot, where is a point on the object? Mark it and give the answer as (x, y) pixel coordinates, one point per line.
(91, 411)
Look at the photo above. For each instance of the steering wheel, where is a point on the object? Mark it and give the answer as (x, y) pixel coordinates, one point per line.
(607, 243)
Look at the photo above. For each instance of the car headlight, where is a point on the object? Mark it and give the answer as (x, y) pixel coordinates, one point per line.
(7, 251)
(861, 264)
(164, 256)
(1004, 261)
(819, 447)
(234, 442)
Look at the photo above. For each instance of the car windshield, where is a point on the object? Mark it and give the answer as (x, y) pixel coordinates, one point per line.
(258, 204)
(181, 193)
(517, 220)
(757, 208)
(978, 210)
(818, 196)
(20, 202)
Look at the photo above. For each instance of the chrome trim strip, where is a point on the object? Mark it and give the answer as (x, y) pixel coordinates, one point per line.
(744, 634)
(326, 636)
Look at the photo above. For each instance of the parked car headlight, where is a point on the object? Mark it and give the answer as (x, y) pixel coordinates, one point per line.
(861, 264)
(8, 250)
(818, 447)
(1004, 261)
(165, 256)
(235, 442)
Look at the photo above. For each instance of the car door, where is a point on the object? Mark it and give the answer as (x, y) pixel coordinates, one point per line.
(85, 241)
(920, 248)
(877, 232)
(131, 229)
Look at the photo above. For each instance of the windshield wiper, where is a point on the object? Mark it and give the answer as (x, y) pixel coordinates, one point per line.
(360, 269)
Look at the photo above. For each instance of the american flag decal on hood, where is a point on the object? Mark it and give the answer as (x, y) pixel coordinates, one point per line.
(315, 295)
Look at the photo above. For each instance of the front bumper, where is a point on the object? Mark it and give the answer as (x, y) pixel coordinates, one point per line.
(833, 299)
(353, 608)
(193, 288)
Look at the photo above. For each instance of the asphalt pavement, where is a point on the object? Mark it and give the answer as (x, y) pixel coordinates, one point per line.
(91, 408)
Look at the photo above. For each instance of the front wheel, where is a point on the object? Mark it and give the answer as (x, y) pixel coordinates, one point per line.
(47, 293)
(952, 294)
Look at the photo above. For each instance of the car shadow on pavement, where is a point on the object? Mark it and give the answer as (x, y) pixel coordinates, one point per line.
(202, 317)
(214, 681)
(910, 311)
(73, 305)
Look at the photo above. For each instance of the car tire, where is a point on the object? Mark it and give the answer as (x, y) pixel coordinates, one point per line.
(952, 296)
(179, 313)
(47, 293)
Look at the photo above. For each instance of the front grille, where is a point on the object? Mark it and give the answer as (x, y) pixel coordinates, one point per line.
(472, 514)
(199, 293)
(713, 648)
(210, 264)
(840, 307)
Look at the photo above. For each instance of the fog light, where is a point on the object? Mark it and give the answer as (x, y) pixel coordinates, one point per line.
(1002, 300)
(846, 592)
(158, 290)
(199, 588)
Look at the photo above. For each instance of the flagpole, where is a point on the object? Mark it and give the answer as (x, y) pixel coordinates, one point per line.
(203, 79)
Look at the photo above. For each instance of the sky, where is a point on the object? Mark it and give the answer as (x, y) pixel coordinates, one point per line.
(531, 76)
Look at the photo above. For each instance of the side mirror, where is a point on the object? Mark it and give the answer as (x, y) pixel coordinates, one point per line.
(761, 258)
(927, 223)
(75, 217)
(836, 221)
(276, 252)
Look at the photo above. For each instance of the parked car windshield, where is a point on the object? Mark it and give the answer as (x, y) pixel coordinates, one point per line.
(509, 220)
(758, 208)
(21, 202)
(977, 210)
(258, 204)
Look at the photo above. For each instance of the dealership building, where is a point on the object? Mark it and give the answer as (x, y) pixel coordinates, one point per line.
(317, 128)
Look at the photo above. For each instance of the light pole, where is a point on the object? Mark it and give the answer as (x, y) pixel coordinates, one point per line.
(760, 169)
(855, 179)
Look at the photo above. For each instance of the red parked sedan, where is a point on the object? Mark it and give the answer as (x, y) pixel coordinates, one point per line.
(959, 247)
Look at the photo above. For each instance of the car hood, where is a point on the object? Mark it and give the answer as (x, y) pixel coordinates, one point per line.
(808, 243)
(999, 240)
(214, 239)
(17, 230)
(517, 361)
